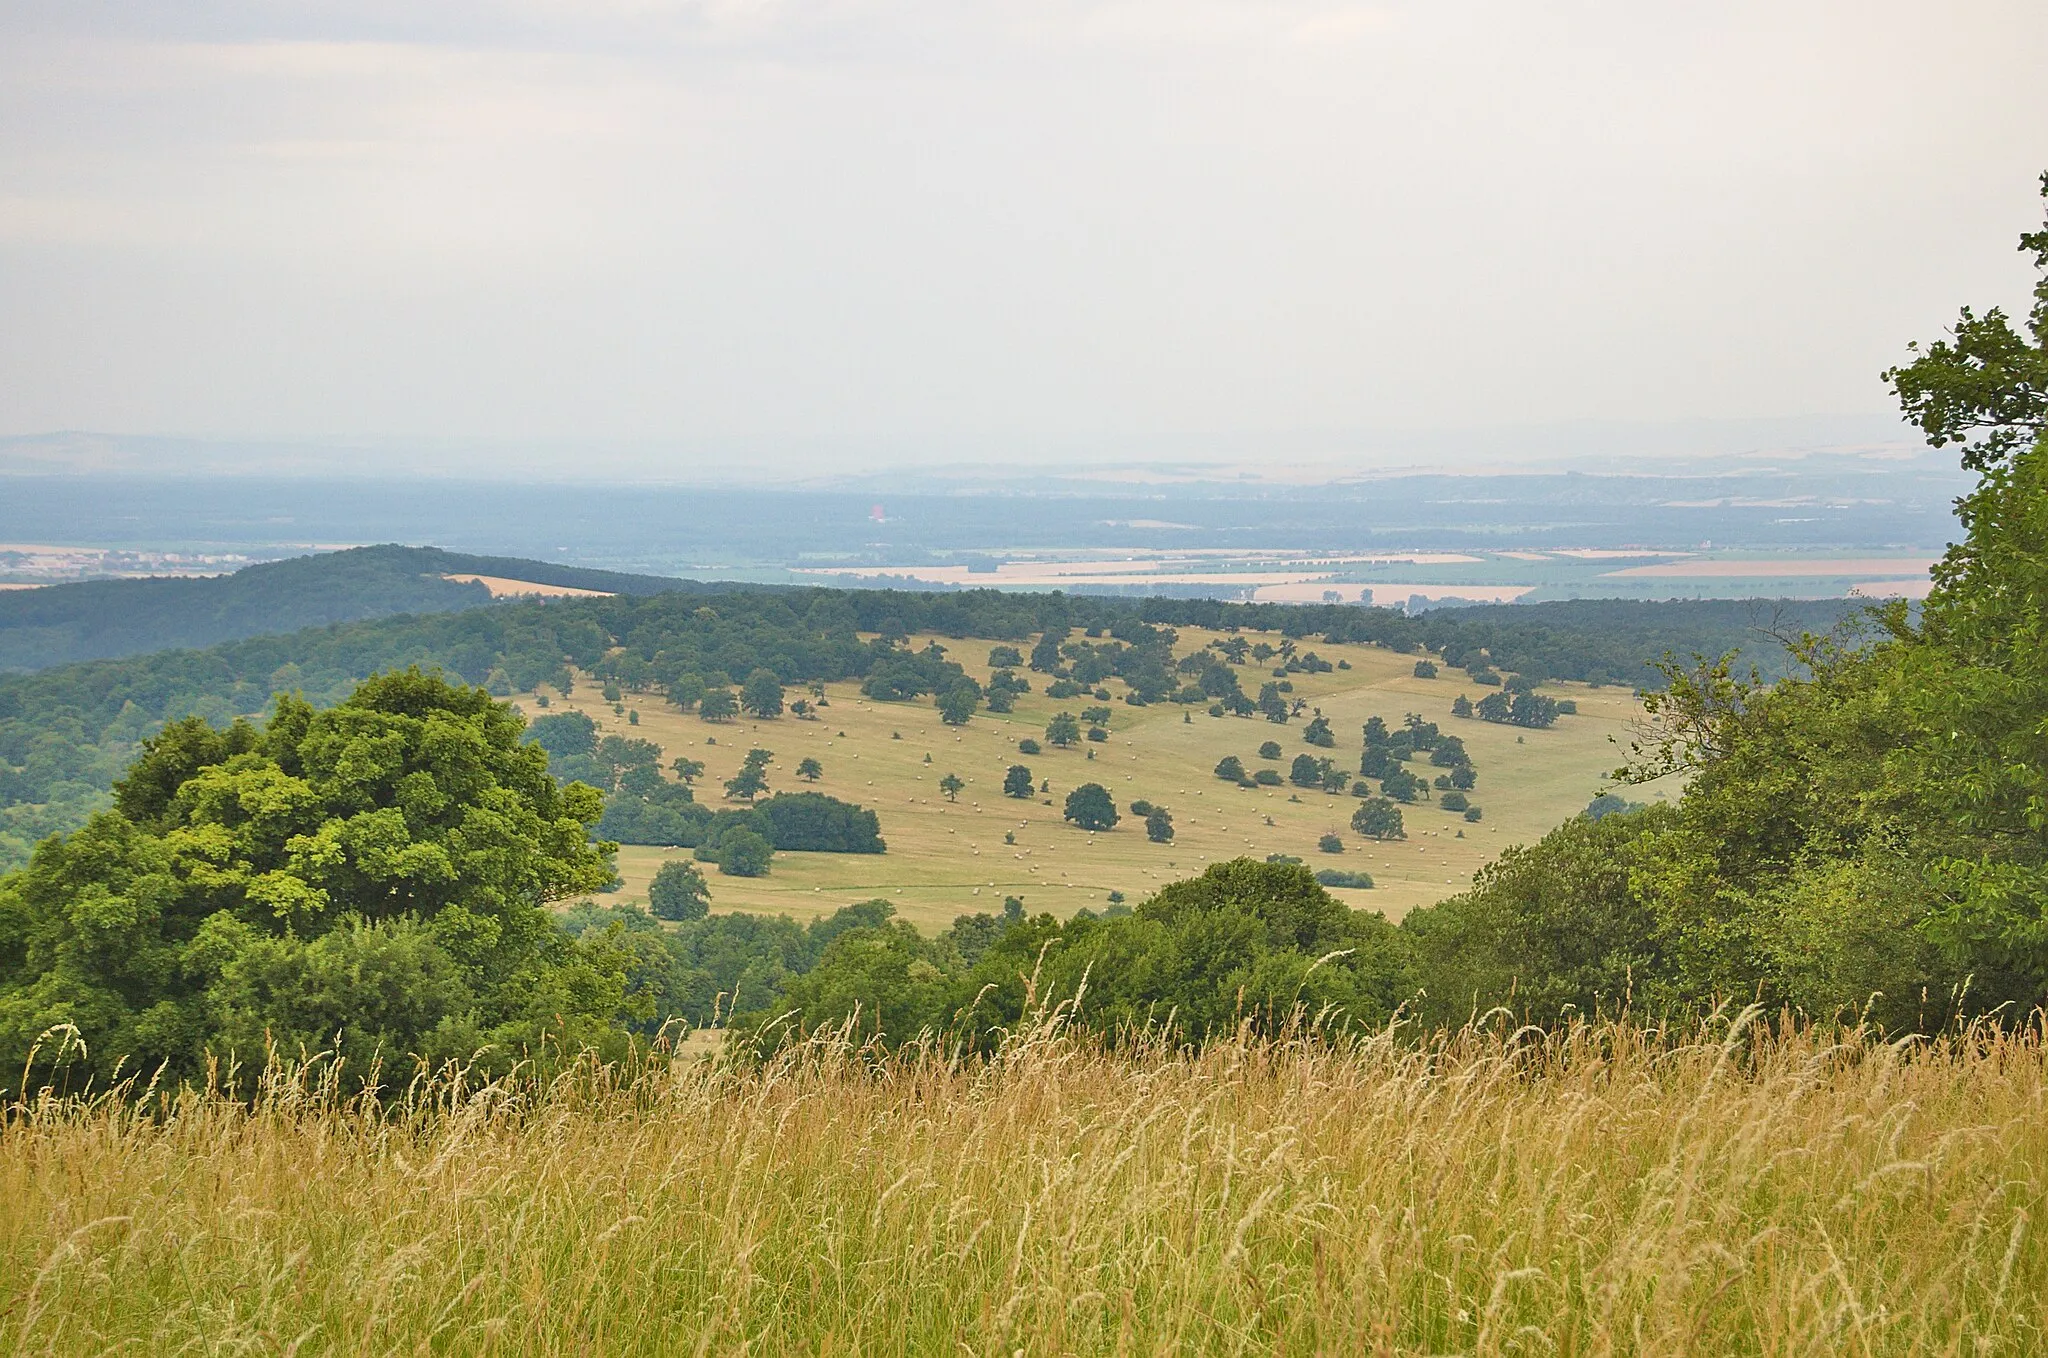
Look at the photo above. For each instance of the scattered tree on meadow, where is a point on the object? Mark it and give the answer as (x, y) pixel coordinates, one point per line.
(1272, 704)
(752, 779)
(1230, 768)
(956, 705)
(1017, 782)
(1159, 825)
(1425, 669)
(1090, 807)
(678, 892)
(1378, 818)
(1330, 844)
(1270, 750)
(1062, 730)
(686, 691)
(1004, 657)
(1305, 771)
(1461, 706)
(744, 853)
(1402, 785)
(718, 704)
(951, 785)
(761, 695)
(809, 769)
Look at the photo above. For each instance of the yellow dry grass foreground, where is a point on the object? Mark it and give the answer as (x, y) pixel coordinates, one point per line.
(1612, 1189)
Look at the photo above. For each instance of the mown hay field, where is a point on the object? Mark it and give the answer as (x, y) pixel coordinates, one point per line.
(1608, 1190)
(948, 858)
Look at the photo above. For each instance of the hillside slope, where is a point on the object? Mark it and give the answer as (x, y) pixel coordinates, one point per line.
(108, 619)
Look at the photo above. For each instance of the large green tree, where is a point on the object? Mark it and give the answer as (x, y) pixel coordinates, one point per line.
(1868, 836)
(761, 695)
(371, 877)
(1091, 807)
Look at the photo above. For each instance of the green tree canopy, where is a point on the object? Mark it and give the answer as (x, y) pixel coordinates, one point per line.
(1090, 807)
(678, 892)
(743, 853)
(1378, 818)
(957, 704)
(374, 873)
(1017, 781)
(761, 695)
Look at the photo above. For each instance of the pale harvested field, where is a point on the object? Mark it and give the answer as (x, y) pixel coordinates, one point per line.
(1783, 568)
(502, 588)
(946, 859)
(1386, 592)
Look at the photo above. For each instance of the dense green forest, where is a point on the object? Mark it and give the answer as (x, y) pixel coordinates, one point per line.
(103, 619)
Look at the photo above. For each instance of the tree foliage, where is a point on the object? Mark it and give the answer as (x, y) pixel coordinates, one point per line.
(1090, 807)
(678, 892)
(373, 874)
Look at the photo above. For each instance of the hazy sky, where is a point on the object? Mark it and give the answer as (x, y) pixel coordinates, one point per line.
(880, 230)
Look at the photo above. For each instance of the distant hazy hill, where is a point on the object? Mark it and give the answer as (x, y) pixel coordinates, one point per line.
(104, 619)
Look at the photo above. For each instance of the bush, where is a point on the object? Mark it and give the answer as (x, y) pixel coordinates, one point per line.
(1267, 778)
(1340, 877)
(1230, 768)
(1269, 750)
(1454, 801)
(1425, 669)
(1330, 844)
(1029, 746)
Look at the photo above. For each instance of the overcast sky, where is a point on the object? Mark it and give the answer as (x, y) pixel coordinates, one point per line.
(890, 230)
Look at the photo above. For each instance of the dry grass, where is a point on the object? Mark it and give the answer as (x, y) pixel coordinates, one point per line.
(1607, 1190)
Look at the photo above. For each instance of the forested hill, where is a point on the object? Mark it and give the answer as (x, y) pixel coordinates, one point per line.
(1555, 637)
(105, 619)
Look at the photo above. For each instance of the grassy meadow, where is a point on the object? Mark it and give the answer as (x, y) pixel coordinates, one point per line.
(946, 859)
(1788, 1191)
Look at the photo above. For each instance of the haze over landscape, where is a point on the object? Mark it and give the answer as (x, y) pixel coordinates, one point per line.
(711, 237)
